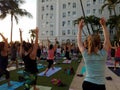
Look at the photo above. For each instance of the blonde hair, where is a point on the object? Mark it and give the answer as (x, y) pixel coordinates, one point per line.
(93, 42)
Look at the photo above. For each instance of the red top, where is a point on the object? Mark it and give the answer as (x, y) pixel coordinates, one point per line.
(50, 54)
(117, 52)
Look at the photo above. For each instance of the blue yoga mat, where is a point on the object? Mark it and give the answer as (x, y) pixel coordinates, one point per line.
(14, 86)
(39, 67)
(117, 71)
(2, 79)
(50, 72)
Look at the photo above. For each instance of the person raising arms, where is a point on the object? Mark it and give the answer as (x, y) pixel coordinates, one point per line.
(4, 59)
(28, 52)
(94, 57)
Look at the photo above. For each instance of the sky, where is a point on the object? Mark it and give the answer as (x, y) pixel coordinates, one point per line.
(25, 23)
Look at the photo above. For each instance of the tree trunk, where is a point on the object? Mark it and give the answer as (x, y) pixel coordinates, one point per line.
(11, 28)
(84, 16)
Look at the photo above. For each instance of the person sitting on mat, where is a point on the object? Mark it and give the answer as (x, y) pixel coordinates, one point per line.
(28, 53)
(51, 56)
(94, 57)
(4, 59)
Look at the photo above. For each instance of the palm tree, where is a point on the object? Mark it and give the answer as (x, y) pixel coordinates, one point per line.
(93, 21)
(77, 21)
(84, 16)
(12, 7)
(111, 4)
(114, 22)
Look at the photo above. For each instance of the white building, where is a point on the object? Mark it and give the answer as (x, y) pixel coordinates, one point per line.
(55, 17)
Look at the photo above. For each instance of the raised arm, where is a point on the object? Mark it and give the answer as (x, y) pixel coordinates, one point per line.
(35, 46)
(79, 35)
(6, 42)
(107, 44)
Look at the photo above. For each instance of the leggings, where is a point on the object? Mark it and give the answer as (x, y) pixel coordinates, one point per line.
(91, 86)
(5, 72)
(50, 63)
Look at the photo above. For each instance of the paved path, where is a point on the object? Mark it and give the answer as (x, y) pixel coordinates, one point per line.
(113, 84)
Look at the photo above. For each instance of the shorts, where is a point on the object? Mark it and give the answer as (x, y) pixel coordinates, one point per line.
(92, 86)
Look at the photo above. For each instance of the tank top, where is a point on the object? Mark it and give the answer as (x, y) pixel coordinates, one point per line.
(50, 54)
(30, 65)
(95, 66)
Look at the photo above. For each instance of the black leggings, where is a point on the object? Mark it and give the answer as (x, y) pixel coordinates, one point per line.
(50, 63)
(91, 86)
(7, 74)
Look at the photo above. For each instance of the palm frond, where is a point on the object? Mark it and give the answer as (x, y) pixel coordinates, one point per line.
(3, 15)
(16, 18)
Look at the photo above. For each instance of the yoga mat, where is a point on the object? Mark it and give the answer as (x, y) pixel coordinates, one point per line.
(14, 86)
(110, 63)
(117, 71)
(39, 67)
(43, 88)
(50, 72)
(11, 68)
(2, 79)
(67, 61)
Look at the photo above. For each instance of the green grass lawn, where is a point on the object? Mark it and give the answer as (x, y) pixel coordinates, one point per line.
(46, 81)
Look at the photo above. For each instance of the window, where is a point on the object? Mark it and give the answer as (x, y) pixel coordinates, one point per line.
(64, 14)
(94, 1)
(46, 15)
(43, 8)
(99, 11)
(47, 6)
(119, 9)
(51, 7)
(69, 3)
(74, 13)
(63, 23)
(73, 32)
(68, 22)
(43, 0)
(47, 22)
(74, 5)
(64, 6)
(101, 1)
(68, 13)
(94, 11)
(68, 32)
(51, 33)
(46, 32)
(88, 3)
(88, 11)
(63, 32)
(51, 15)
(42, 16)
(51, 25)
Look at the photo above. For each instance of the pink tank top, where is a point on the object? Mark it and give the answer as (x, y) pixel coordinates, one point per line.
(51, 54)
